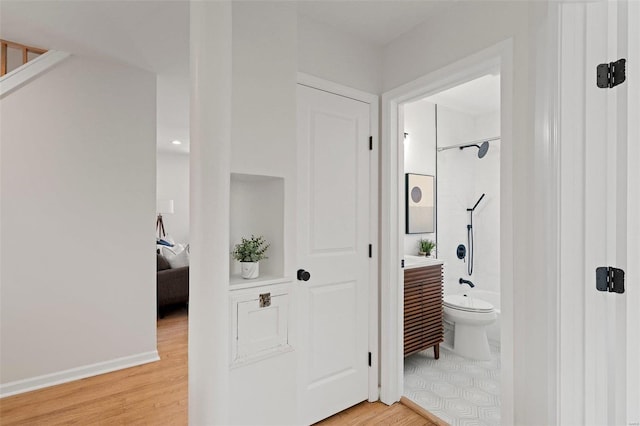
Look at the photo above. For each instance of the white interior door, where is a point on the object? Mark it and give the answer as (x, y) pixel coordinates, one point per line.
(633, 215)
(611, 337)
(333, 247)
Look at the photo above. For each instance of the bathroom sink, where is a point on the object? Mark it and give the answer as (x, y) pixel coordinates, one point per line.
(411, 261)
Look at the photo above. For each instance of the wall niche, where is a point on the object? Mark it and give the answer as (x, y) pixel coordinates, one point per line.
(257, 208)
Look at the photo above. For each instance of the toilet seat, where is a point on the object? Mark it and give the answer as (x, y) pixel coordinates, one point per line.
(467, 304)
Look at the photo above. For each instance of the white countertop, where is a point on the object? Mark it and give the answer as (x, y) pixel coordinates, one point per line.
(411, 261)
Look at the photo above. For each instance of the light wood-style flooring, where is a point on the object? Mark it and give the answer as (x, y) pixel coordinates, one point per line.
(377, 413)
(154, 394)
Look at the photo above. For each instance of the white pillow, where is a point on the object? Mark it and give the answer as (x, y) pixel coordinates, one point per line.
(167, 251)
(176, 256)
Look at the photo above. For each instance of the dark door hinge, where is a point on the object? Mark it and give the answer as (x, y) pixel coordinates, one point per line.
(370, 143)
(611, 74)
(402, 263)
(370, 250)
(610, 279)
(369, 359)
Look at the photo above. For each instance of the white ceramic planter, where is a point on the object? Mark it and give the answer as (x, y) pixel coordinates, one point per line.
(250, 270)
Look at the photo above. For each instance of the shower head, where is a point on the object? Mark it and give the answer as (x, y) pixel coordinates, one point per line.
(482, 149)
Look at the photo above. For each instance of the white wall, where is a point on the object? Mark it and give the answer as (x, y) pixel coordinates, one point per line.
(419, 154)
(210, 58)
(462, 30)
(486, 222)
(462, 179)
(263, 142)
(172, 183)
(330, 54)
(78, 207)
(266, 42)
(456, 192)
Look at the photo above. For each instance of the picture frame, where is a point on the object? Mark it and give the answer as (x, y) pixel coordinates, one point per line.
(420, 203)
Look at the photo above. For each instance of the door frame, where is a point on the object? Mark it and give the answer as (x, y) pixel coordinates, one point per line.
(499, 56)
(553, 173)
(373, 101)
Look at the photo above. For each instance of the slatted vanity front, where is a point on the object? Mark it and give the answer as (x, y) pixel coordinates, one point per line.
(423, 311)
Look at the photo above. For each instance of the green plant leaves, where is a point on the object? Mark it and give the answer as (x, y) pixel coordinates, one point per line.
(427, 245)
(251, 249)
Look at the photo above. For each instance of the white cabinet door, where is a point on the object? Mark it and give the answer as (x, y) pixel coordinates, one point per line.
(333, 246)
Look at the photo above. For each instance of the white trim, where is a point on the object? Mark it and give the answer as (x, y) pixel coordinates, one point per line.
(338, 89)
(46, 380)
(488, 60)
(570, 338)
(374, 294)
(548, 151)
(374, 104)
(27, 72)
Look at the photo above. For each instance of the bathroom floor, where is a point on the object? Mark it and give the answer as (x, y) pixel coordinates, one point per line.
(458, 390)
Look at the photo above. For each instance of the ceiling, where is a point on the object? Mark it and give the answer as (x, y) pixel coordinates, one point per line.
(377, 22)
(154, 35)
(475, 97)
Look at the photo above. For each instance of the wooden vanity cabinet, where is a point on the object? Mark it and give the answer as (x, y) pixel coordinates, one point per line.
(423, 310)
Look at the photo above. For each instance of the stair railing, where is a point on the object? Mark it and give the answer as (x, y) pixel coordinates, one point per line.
(26, 50)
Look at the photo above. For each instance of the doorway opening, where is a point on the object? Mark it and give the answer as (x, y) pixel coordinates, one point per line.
(455, 164)
(172, 240)
(454, 136)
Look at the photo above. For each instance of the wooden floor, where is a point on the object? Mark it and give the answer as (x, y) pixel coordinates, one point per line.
(377, 413)
(153, 394)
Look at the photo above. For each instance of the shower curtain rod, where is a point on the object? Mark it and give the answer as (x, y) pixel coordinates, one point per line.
(495, 138)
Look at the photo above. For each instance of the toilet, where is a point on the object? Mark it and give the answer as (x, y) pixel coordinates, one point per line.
(469, 317)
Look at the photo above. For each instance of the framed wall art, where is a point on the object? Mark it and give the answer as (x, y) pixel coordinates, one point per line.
(420, 205)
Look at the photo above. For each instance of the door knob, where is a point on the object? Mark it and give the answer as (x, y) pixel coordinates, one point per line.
(303, 275)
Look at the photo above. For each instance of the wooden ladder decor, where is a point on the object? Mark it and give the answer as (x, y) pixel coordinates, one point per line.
(23, 48)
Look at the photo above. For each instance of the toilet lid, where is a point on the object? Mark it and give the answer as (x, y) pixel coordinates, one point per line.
(465, 303)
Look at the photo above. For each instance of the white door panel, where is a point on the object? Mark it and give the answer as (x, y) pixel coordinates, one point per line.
(332, 196)
(325, 362)
(607, 192)
(333, 240)
(600, 336)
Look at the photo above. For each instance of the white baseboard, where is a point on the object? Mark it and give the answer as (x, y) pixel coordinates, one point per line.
(26, 385)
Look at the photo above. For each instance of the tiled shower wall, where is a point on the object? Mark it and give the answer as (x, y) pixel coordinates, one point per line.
(462, 179)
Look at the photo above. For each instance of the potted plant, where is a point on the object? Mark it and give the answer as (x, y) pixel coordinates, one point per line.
(426, 247)
(249, 252)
